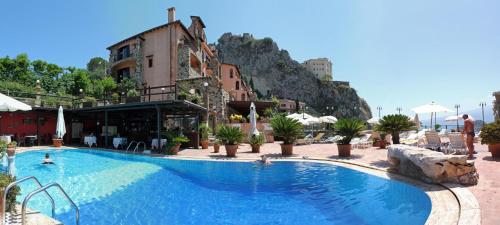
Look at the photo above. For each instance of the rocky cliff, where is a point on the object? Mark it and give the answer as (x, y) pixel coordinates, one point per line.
(274, 72)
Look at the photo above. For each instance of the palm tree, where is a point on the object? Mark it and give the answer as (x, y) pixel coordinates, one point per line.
(394, 124)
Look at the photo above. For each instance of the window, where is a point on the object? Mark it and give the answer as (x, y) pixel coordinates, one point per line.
(150, 62)
(231, 75)
(237, 85)
(123, 52)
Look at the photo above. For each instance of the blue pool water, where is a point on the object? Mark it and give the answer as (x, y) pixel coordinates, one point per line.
(114, 188)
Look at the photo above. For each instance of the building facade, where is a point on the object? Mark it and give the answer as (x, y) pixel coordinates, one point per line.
(171, 58)
(233, 83)
(290, 106)
(321, 67)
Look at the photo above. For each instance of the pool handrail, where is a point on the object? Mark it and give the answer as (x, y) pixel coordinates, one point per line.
(130, 145)
(138, 144)
(44, 188)
(11, 185)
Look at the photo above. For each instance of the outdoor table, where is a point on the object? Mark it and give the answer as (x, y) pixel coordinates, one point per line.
(90, 140)
(117, 141)
(154, 143)
(30, 140)
(6, 139)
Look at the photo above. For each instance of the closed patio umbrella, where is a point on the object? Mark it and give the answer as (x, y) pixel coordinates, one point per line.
(253, 121)
(61, 126)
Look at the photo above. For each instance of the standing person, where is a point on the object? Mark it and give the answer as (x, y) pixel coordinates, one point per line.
(469, 132)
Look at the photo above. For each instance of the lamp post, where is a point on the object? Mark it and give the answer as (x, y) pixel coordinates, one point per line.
(457, 106)
(399, 110)
(379, 108)
(205, 84)
(482, 104)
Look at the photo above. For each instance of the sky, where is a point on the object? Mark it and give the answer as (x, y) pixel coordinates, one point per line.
(394, 53)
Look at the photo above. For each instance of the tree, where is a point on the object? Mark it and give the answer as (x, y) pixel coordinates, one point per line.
(97, 68)
(48, 74)
(72, 82)
(104, 87)
(394, 124)
(126, 85)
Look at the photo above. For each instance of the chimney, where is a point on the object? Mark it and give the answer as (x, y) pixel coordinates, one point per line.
(171, 14)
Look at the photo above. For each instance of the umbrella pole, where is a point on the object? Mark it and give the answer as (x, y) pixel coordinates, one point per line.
(431, 121)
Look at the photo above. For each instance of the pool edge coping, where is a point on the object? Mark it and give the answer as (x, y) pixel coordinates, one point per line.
(469, 212)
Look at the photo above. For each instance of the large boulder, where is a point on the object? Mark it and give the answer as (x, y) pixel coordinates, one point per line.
(431, 166)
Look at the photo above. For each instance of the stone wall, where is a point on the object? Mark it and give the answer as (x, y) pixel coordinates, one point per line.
(218, 97)
(431, 166)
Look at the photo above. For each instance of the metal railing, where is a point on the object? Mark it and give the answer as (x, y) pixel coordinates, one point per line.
(139, 144)
(43, 189)
(13, 184)
(130, 145)
(46, 100)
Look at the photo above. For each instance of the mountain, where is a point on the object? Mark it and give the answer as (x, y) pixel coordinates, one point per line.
(272, 71)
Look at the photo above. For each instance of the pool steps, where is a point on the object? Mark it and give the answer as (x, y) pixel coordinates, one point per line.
(33, 193)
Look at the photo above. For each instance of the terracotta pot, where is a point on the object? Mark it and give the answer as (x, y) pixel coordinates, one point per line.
(255, 148)
(174, 149)
(57, 142)
(204, 144)
(216, 148)
(231, 150)
(286, 149)
(494, 149)
(382, 144)
(270, 138)
(344, 150)
(11, 150)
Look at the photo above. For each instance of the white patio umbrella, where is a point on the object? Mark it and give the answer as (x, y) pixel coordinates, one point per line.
(327, 119)
(253, 121)
(60, 127)
(302, 121)
(300, 116)
(455, 118)
(373, 120)
(8, 104)
(432, 108)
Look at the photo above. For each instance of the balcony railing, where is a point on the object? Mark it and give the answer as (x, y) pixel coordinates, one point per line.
(118, 57)
(43, 100)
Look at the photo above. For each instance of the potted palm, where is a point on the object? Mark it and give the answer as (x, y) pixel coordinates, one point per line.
(256, 141)
(394, 124)
(11, 148)
(348, 129)
(205, 132)
(230, 137)
(177, 141)
(288, 129)
(490, 135)
(217, 143)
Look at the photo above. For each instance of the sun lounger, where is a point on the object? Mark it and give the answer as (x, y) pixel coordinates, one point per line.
(433, 140)
(318, 137)
(457, 144)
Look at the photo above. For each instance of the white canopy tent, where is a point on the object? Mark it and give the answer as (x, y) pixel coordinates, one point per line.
(433, 108)
(327, 119)
(373, 120)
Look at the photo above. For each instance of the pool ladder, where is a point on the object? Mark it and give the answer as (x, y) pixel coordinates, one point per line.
(136, 146)
(40, 189)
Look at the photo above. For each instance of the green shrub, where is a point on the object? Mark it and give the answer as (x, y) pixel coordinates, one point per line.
(10, 204)
(230, 135)
(349, 129)
(490, 133)
(286, 128)
(180, 139)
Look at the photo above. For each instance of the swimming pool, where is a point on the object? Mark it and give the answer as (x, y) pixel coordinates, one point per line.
(114, 188)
